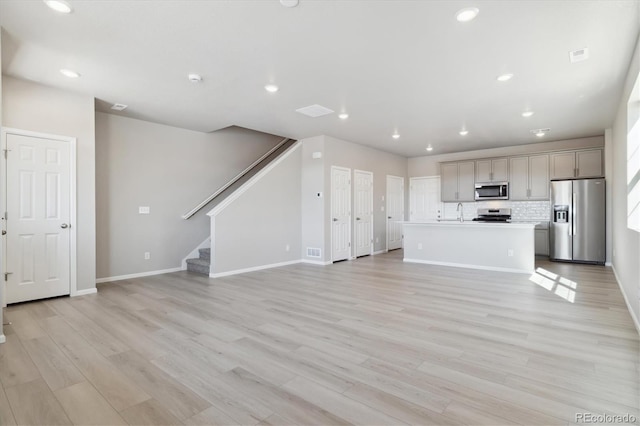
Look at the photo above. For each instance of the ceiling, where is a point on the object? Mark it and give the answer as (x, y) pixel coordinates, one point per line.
(394, 66)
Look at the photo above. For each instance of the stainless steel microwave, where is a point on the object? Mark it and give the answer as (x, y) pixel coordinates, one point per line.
(492, 191)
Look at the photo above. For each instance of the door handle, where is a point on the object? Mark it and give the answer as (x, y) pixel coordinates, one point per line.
(574, 218)
(357, 218)
(64, 226)
(335, 219)
(388, 217)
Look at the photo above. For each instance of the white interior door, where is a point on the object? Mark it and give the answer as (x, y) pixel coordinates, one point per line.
(38, 204)
(340, 213)
(395, 211)
(363, 212)
(424, 199)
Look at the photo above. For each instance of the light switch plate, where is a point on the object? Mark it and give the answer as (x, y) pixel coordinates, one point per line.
(144, 210)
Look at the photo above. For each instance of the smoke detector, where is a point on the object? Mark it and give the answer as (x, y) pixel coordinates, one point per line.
(118, 107)
(579, 55)
(195, 78)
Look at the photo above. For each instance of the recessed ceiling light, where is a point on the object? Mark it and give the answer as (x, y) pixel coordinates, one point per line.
(467, 14)
(395, 136)
(69, 73)
(540, 134)
(272, 88)
(194, 78)
(464, 132)
(59, 6)
(289, 3)
(505, 77)
(343, 116)
(118, 107)
(527, 114)
(429, 148)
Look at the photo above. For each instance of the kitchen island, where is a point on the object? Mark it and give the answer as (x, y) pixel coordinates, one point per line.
(507, 247)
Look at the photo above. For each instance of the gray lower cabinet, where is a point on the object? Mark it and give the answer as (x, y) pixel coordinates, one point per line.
(529, 178)
(541, 238)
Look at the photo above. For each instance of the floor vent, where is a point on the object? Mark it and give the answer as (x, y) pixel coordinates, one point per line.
(313, 252)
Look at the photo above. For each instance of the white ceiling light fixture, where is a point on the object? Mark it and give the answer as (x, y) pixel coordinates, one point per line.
(464, 132)
(271, 88)
(467, 14)
(194, 78)
(69, 73)
(504, 77)
(395, 136)
(527, 114)
(59, 6)
(429, 148)
(289, 3)
(343, 116)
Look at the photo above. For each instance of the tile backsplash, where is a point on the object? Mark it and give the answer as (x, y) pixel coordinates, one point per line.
(520, 210)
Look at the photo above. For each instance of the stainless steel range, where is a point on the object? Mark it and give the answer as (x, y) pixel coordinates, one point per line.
(493, 215)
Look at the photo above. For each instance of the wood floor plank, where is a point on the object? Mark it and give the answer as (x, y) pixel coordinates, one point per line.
(212, 416)
(16, 365)
(6, 415)
(149, 412)
(85, 406)
(33, 403)
(54, 366)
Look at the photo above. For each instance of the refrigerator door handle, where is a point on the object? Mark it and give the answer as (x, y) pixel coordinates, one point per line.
(574, 216)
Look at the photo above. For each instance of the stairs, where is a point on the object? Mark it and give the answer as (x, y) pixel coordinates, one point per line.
(200, 265)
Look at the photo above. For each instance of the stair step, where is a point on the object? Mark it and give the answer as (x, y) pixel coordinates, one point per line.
(200, 266)
(205, 253)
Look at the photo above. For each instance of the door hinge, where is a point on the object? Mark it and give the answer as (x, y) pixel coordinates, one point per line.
(6, 151)
(349, 244)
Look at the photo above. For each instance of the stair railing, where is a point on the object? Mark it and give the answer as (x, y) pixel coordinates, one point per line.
(210, 198)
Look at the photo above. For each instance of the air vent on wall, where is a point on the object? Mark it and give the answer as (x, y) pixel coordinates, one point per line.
(314, 111)
(313, 252)
(118, 107)
(579, 55)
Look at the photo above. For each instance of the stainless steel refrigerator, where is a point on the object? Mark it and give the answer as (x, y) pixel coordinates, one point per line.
(577, 230)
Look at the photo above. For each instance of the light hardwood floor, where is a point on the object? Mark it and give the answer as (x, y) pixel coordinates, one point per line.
(371, 341)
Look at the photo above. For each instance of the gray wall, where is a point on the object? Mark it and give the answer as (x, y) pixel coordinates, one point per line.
(169, 170)
(429, 165)
(317, 178)
(256, 228)
(626, 243)
(31, 106)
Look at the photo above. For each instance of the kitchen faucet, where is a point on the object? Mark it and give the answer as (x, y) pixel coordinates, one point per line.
(460, 209)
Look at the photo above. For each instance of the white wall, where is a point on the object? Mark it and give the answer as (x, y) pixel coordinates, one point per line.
(31, 106)
(2, 338)
(626, 243)
(312, 209)
(262, 226)
(170, 170)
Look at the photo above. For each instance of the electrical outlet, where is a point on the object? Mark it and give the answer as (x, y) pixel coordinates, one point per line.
(144, 210)
(287, 248)
(510, 252)
(377, 240)
(419, 246)
(147, 255)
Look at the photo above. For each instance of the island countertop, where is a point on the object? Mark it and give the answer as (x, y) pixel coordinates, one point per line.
(501, 246)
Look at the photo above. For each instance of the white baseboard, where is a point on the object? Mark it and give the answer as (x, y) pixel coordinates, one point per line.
(608, 264)
(379, 252)
(254, 268)
(315, 262)
(2, 338)
(626, 300)
(138, 275)
(85, 292)
(464, 265)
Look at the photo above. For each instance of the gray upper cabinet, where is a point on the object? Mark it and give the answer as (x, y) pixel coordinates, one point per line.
(577, 164)
(529, 178)
(589, 163)
(492, 170)
(457, 181)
